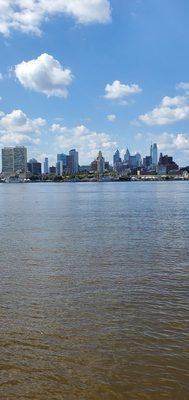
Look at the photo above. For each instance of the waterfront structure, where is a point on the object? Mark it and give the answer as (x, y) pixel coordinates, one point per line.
(154, 154)
(46, 165)
(34, 167)
(14, 160)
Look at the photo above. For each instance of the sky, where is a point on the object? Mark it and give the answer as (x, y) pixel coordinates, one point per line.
(94, 75)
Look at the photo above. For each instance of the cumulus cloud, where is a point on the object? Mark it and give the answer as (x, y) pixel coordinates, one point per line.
(28, 15)
(170, 110)
(87, 142)
(17, 128)
(117, 90)
(111, 117)
(10, 139)
(44, 75)
(173, 142)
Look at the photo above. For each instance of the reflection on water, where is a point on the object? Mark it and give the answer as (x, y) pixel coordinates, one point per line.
(94, 291)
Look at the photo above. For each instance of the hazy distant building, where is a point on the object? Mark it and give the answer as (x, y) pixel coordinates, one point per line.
(75, 161)
(61, 163)
(100, 163)
(166, 164)
(147, 162)
(52, 170)
(94, 166)
(34, 167)
(127, 156)
(135, 161)
(85, 168)
(116, 157)
(107, 166)
(154, 154)
(14, 160)
(46, 165)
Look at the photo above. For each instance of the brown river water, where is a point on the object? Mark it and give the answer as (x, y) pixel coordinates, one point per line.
(94, 291)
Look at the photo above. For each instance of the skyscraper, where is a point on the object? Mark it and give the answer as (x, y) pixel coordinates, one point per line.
(46, 165)
(127, 156)
(61, 163)
(100, 163)
(75, 163)
(20, 159)
(8, 160)
(14, 160)
(116, 157)
(154, 154)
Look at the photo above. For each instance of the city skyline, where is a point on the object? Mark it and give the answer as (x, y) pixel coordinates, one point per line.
(95, 77)
(15, 162)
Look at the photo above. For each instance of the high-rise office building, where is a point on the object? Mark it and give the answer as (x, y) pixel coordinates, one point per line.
(14, 160)
(8, 160)
(147, 161)
(61, 163)
(127, 156)
(46, 165)
(135, 161)
(116, 157)
(154, 154)
(20, 159)
(75, 163)
(100, 163)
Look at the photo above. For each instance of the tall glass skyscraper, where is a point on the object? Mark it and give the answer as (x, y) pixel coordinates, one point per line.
(154, 154)
(61, 163)
(46, 165)
(75, 162)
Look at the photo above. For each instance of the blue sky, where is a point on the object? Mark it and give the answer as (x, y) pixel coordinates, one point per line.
(95, 75)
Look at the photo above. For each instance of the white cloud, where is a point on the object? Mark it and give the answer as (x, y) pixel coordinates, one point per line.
(28, 15)
(17, 128)
(183, 85)
(117, 90)
(170, 110)
(45, 75)
(173, 142)
(1, 76)
(111, 117)
(86, 141)
(10, 139)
